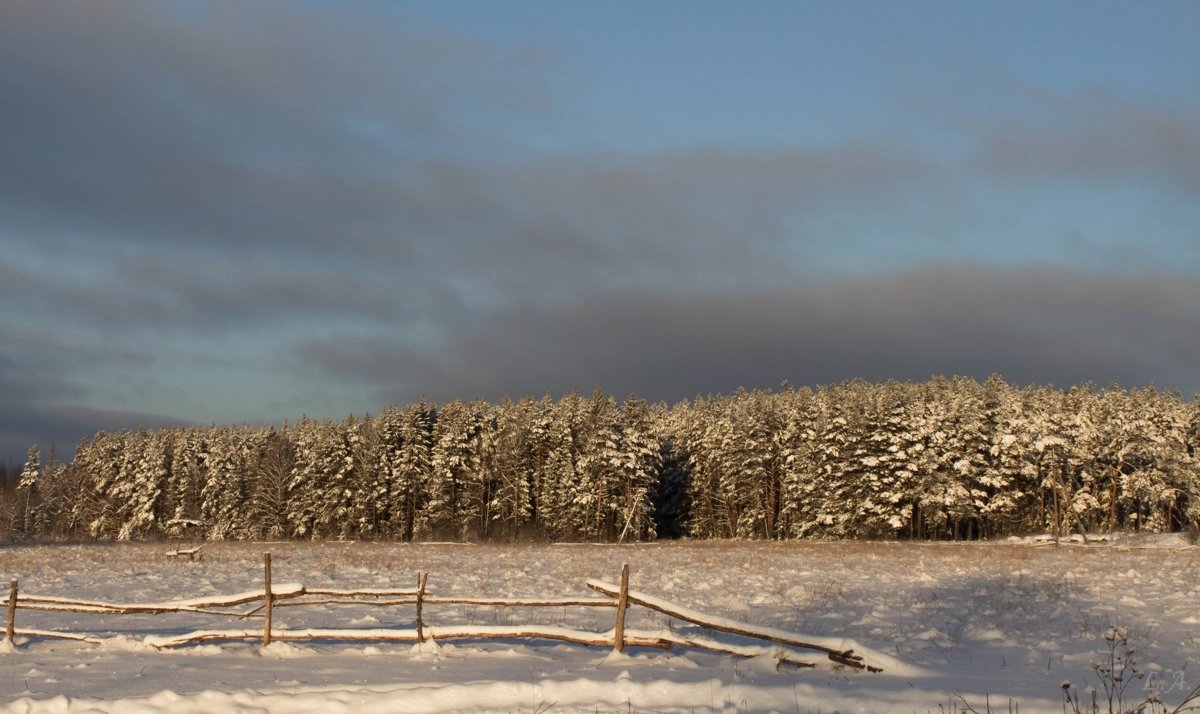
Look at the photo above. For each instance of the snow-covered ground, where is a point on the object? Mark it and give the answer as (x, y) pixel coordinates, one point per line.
(992, 622)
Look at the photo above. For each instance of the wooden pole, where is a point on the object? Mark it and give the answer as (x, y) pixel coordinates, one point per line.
(622, 605)
(846, 657)
(267, 599)
(10, 623)
(422, 578)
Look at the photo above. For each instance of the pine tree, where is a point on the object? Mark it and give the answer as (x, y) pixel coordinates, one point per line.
(185, 481)
(840, 440)
(695, 432)
(311, 486)
(636, 469)
(380, 498)
(565, 504)
(410, 470)
(797, 449)
(457, 493)
(521, 452)
(1008, 485)
(134, 493)
(272, 466)
(30, 516)
(224, 487)
(596, 497)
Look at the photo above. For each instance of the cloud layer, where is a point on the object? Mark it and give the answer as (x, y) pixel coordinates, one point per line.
(225, 212)
(1034, 325)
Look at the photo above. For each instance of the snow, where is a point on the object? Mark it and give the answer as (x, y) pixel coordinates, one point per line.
(987, 621)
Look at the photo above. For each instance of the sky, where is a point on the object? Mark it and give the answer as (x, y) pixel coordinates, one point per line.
(245, 212)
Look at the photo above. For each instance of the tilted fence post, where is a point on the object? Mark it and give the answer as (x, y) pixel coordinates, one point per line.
(622, 605)
(422, 578)
(10, 624)
(267, 599)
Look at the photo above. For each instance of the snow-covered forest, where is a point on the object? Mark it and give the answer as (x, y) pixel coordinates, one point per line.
(944, 459)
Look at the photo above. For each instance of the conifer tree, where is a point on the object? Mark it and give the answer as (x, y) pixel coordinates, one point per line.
(271, 468)
(225, 494)
(411, 472)
(30, 516)
(457, 492)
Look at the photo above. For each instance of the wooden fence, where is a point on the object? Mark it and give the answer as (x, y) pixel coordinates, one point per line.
(272, 596)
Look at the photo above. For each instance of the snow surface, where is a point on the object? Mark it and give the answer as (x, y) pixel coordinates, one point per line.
(987, 621)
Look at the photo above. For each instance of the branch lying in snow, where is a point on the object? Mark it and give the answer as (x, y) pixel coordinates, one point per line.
(60, 604)
(163, 642)
(563, 634)
(841, 656)
(48, 634)
(638, 638)
(470, 632)
(748, 651)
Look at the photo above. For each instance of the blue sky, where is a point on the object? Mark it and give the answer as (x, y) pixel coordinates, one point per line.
(228, 212)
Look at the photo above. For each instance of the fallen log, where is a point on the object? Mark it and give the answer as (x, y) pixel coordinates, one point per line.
(846, 657)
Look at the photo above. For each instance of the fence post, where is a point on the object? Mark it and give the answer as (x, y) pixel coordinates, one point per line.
(422, 578)
(622, 604)
(10, 624)
(267, 599)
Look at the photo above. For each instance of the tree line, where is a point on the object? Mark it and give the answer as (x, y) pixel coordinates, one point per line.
(944, 459)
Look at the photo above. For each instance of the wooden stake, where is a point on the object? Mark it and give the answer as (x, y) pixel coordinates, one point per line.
(267, 599)
(10, 624)
(622, 605)
(422, 578)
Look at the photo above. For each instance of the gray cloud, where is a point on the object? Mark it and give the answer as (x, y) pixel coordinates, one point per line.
(1033, 325)
(64, 425)
(1017, 130)
(38, 407)
(158, 122)
(259, 146)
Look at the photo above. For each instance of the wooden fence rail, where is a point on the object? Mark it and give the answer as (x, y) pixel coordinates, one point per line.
(273, 596)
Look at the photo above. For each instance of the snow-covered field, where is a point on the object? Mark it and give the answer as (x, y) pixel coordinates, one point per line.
(992, 622)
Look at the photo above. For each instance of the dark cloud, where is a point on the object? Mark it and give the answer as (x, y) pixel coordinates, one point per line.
(235, 136)
(38, 408)
(62, 426)
(553, 227)
(20, 384)
(160, 122)
(1033, 325)
(1024, 131)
